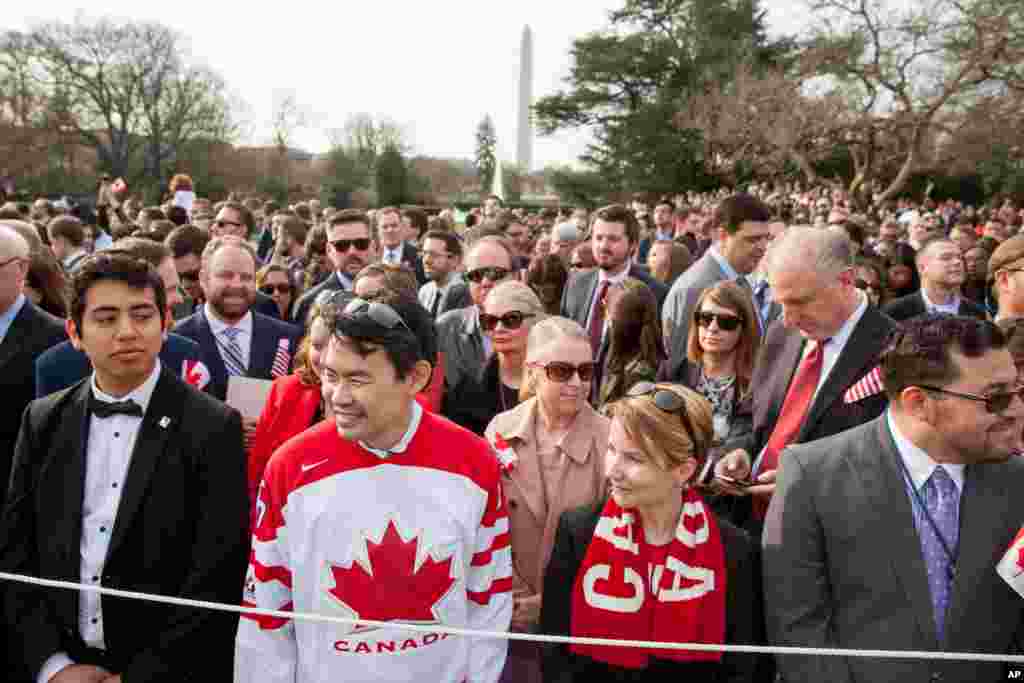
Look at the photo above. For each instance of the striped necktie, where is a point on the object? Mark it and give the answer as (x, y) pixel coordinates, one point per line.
(231, 351)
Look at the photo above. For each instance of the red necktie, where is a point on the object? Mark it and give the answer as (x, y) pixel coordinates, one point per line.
(595, 326)
(791, 417)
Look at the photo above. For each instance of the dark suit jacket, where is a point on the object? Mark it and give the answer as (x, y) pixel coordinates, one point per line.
(579, 292)
(181, 529)
(31, 332)
(843, 565)
(912, 305)
(678, 308)
(411, 258)
(455, 296)
(266, 332)
(63, 365)
(300, 309)
(743, 611)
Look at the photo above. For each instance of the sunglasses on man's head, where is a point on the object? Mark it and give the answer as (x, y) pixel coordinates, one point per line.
(512, 320)
(494, 274)
(557, 371)
(360, 243)
(380, 313)
(725, 321)
(281, 288)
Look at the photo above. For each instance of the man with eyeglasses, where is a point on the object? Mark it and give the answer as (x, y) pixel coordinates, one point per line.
(349, 249)
(887, 536)
(446, 290)
(233, 219)
(459, 337)
(941, 265)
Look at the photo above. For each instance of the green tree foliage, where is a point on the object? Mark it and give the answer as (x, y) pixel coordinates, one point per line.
(486, 156)
(578, 188)
(392, 177)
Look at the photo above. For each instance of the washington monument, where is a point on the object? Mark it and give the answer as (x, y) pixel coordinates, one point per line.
(524, 141)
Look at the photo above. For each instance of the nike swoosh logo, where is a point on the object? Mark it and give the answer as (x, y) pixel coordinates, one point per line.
(307, 468)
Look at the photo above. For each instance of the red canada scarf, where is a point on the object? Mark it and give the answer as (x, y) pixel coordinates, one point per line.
(616, 595)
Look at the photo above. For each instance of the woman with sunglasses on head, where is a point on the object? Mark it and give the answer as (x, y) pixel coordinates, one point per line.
(551, 447)
(654, 562)
(509, 311)
(275, 282)
(635, 344)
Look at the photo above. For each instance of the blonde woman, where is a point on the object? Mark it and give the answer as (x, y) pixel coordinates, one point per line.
(509, 311)
(551, 447)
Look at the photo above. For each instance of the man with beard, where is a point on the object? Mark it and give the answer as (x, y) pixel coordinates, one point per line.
(349, 248)
(446, 289)
(886, 536)
(234, 340)
(941, 266)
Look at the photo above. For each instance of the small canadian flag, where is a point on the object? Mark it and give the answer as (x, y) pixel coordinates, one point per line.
(1011, 567)
(282, 359)
(506, 455)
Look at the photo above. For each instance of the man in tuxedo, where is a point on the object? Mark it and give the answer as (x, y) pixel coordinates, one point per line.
(234, 340)
(446, 290)
(815, 373)
(25, 332)
(886, 536)
(394, 250)
(743, 235)
(131, 480)
(941, 265)
(63, 365)
(615, 235)
(349, 248)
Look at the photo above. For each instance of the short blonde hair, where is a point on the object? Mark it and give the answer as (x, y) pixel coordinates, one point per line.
(521, 297)
(661, 435)
(542, 335)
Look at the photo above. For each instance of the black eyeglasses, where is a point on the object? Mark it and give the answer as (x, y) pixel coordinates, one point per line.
(577, 265)
(864, 284)
(494, 274)
(557, 371)
(668, 402)
(512, 320)
(725, 321)
(360, 243)
(994, 403)
(282, 288)
(223, 223)
(380, 313)
(189, 275)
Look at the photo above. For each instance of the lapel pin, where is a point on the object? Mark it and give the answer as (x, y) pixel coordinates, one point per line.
(164, 421)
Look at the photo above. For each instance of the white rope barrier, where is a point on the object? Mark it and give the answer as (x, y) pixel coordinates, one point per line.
(530, 637)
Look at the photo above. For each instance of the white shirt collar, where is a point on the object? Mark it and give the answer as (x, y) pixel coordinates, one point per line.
(403, 443)
(953, 307)
(839, 339)
(140, 395)
(613, 279)
(217, 326)
(919, 463)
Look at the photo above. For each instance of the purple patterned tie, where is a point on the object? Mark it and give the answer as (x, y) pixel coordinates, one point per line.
(943, 502)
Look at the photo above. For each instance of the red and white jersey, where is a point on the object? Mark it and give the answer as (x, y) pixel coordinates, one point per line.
(419, 536)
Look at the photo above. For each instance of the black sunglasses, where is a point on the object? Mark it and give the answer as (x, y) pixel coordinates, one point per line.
(494, 274)
(668, 402)
(222, 223)
(994, 403)
(282, 288)
(864, 284)
(378, 312)
(725, 321)
(360, 243)
(557, 371)
(512, 320)
(189, 276)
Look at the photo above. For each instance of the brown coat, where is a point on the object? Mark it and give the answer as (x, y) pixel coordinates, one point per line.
(577, 480)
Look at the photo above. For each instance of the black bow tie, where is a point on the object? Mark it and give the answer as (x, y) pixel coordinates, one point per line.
(103, 409)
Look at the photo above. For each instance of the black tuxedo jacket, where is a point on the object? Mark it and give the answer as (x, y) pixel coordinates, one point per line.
(266, 332)
(31, 332)
(181, 530)
(912, 305)
(579, 292)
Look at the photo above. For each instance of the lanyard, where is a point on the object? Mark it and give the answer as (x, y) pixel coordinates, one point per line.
(951, 567)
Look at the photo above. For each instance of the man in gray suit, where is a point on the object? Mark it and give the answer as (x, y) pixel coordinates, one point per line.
(742, 236)
(887, 535)
(446, 290)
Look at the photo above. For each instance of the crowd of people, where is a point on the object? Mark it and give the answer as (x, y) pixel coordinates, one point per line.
(781, 416)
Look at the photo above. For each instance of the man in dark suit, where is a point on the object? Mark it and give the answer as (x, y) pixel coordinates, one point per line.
(887, 536)
(814, 373)
(615, 235)
(349, 248)
(941, 266)
(129, 480)
(233, 340)
(446, 290)
(25, 332)
(394, 250)
(743, 235)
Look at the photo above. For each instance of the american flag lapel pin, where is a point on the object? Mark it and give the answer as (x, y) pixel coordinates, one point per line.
(164, 421)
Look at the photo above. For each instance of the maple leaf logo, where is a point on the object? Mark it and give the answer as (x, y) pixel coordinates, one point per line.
(394, 580)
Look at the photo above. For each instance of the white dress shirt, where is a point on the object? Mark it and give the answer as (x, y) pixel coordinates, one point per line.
(393, 256)
(837, 342)
(107, 457)
(217, 327)
(919, 464)
(952, 308)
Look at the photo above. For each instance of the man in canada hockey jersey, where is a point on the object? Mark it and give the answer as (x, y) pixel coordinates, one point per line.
(388, 514)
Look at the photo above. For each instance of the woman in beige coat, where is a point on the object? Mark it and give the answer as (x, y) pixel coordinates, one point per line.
(552, 448)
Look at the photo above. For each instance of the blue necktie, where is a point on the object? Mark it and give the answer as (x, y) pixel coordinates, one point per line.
(942, 499)
(234, 361)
